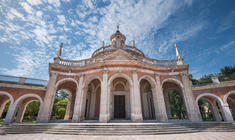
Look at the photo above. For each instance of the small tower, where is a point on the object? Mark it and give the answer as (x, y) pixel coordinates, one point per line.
(180, 60)
(118, 39)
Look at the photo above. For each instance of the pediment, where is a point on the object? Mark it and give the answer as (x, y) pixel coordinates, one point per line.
(119, 55)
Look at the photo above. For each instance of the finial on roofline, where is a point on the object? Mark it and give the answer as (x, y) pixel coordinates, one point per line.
(102, 43)
(59, 53)
(133, 43)
(118, 27)
(180, 60)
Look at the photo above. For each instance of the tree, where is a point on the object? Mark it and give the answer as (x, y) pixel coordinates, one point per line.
(227, 73)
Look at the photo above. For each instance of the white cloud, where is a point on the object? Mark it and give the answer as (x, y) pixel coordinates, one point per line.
(61, 19)
(182, 36)
(228, 45)
(16, 13)
(35, 2)
(27, 8)
(227, 22)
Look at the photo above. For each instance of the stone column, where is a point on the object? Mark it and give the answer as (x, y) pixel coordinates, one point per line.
(215, 112)
(168, 108)
(104, 100)
(78, 100)
(2, 106)
(92, 106)
(226, 113)
(136, 111)
(10, 113)
(159, 103)
(45, 112)
(190, 103)
(20, 114)
(69, 110)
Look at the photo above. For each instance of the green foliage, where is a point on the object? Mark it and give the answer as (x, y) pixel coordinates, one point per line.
(227, 73)
(177, 107)
(4, 113)
(31, 111)
(205, 110)
(60, 105)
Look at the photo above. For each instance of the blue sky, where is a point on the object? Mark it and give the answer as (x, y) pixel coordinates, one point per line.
(31, 31)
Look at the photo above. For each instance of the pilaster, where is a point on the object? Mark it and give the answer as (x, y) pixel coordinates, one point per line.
(104, 100)
(45, 112)
(136, 111)
(191, 105)
(159, 103)
(78, 100)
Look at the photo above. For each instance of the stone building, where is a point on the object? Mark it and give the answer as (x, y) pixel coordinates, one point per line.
(118, 82)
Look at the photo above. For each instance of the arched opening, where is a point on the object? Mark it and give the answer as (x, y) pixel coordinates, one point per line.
(210, 107)
(231, 103)
(92, 104)
(120, 98)
(5, 100)
(206, 110)
(147, 102)
(27, 108)
(174, 101)
(64, 100)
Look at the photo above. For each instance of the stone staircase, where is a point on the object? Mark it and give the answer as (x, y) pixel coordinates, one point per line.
(117, 128)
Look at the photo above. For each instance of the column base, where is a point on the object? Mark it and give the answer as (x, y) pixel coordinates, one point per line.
(194, 117)
(104, 118)
(136, 117)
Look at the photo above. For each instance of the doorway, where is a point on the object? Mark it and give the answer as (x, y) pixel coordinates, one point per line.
(119, 107)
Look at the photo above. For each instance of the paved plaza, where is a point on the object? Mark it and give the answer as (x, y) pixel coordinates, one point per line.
(188, 136)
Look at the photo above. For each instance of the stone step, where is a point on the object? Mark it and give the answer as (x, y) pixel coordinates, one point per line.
(119, 129)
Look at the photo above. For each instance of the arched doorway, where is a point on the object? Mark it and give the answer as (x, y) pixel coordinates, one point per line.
(147, 102)
(5, 100)
(63, 106)
(120, 98)
(92, 100)
(213, 111)
(174, 101)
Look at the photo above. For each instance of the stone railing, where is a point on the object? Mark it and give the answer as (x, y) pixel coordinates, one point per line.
(74, 62)
(160, 62)
(84, 62)
(22, 80)
(109, 48)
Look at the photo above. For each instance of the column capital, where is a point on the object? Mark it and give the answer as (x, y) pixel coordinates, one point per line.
(183, 74)
(135, 71)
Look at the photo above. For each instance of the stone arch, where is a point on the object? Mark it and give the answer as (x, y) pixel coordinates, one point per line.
(16, 103)
(179, 92)
(176, 81)
(91, 97)
(122, 75)
(120, 96)
(227, 95)
(148, 97)
(89, 79)
(211, 95)
(7, 94)
(149, 79)
(29, 95)
(64, 80)
(217, 115)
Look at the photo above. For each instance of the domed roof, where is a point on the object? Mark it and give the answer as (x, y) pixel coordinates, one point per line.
(118, 33)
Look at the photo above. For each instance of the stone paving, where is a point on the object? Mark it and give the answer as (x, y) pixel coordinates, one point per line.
(188, 136)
